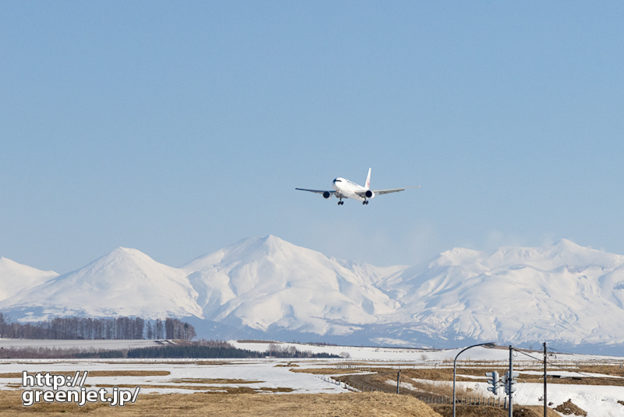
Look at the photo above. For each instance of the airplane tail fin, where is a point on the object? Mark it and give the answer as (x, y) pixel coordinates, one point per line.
(367, 183)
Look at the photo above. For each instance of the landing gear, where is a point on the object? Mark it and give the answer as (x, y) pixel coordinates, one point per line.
(341, 203)
(365, 202)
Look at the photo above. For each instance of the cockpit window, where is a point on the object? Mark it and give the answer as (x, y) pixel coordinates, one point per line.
(337, 180)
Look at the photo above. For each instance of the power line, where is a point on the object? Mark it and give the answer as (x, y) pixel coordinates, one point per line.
(530, 356)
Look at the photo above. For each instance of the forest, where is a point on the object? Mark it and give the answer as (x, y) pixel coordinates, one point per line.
(98, 328)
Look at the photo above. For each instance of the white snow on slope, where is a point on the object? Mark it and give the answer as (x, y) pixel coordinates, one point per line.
(263, 282)
(124, 282)
(597, 400)
(15, 277)
(394, 354)
(264, 372)
(563, 293)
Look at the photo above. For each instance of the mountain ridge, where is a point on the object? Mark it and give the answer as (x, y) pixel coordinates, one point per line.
(266, 285)
(16, 275)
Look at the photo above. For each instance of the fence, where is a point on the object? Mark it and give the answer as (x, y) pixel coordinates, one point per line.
(428, 398)
(476, 401)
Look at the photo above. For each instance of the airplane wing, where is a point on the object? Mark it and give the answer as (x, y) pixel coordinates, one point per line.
(394, 190)
(388, 191)
(316, 191)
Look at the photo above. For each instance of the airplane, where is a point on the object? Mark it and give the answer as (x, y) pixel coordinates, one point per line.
(343, 188)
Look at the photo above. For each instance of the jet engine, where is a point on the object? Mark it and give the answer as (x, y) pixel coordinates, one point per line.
(326, 194)
(369, 194)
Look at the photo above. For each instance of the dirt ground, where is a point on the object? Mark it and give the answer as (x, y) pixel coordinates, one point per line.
(614, 373)
(568, 407)
(471, 411)
(227, 405)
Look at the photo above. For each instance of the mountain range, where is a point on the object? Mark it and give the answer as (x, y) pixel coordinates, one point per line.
(564, 293)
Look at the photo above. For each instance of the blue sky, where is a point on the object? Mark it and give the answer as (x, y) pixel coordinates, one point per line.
(181, 127)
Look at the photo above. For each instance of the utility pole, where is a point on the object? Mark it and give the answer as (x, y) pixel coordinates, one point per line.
(509, 379)
(545, 390)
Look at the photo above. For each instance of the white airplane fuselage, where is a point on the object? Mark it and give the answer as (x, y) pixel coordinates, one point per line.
(348, 189)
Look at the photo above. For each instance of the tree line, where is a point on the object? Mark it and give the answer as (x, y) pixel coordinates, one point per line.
(178, 349)
(218, 350)
(98, 328)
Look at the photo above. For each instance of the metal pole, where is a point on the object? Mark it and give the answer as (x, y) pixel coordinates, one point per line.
(454, 367)
(545, 390)
(398, 380)
(489, 345)
(509, 377)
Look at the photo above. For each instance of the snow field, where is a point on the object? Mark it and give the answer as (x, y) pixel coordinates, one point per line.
(265, 371)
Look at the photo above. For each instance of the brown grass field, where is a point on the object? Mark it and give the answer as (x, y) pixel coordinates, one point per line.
(237, 400)
(227, 405)
(446, 374)
(375, 404)
(469, 411)
(95, 373)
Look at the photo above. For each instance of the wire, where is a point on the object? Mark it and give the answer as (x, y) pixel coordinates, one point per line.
(530, 356)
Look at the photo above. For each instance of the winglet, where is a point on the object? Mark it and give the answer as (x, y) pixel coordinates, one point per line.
(367, 183)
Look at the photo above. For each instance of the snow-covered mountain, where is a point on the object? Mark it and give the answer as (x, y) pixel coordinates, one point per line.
(562, 292)
(124, 282)
(15, 277)
(264, 282)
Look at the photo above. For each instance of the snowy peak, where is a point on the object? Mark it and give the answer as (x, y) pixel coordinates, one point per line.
(504, 295)
(563, 253)
(250, 248)
(123, 260)
(128, 253)
(10, 266)
(268, 286)
(263, 282)
(273, 243)
(123, 282)
(567, 244)
(15, 277)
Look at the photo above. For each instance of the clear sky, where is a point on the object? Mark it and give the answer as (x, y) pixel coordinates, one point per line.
(181, 127)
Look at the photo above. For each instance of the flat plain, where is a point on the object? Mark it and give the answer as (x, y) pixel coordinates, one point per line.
(347, 386)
